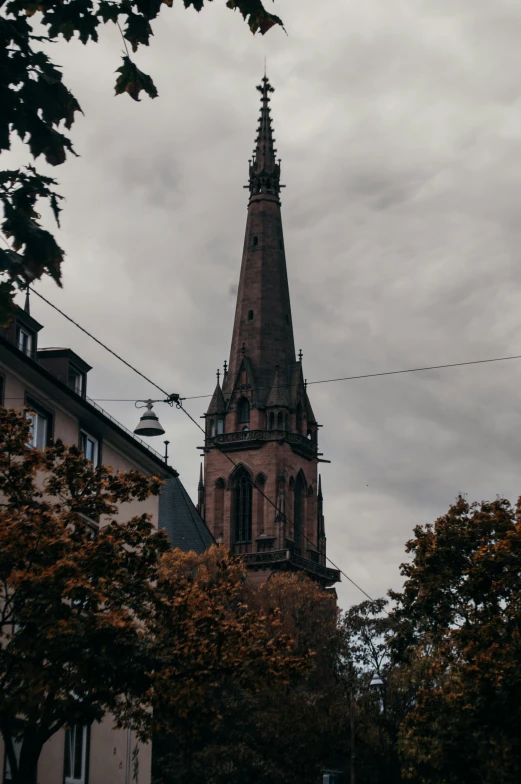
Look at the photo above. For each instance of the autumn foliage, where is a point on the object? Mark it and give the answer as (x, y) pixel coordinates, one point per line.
(75, 600)
(99, 618)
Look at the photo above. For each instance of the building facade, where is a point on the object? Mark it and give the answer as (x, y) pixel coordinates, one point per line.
(260, 493)
(52, 382)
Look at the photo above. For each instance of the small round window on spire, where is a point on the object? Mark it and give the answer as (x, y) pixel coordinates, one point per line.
(255, 241)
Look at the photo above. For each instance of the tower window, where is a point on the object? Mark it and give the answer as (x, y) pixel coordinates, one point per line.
(298, 514)
(220, 427)
(243, 411)
(280, 421)
(242, 505)
(300, 417)
(212, 428)
(272, 420)
(250, 315)
(255, 241)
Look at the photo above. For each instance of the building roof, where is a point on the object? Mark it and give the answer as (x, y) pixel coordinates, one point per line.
(181, 520)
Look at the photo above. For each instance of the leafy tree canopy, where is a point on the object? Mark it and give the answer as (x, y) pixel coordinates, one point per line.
(458, 627)
(74, 602)
(39, 108)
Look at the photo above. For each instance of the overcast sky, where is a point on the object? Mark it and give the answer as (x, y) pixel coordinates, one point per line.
(399, 127)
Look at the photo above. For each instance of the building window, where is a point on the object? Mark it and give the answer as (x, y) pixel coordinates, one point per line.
(212, 428)
(250, 315)
(90, 448)
(280, 421)
(255, 241)
(17, 744)
(24, 340)
(272, 420)
(242, 504)
(75, 380)
(243, 411)
(220, 427)
(41, 426)
(76, 755)
(298, 513)
(286, 422)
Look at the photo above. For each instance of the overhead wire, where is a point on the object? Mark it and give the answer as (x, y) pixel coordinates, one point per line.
(281, 386)
(273, 504)
(179, 405)
(320, 381)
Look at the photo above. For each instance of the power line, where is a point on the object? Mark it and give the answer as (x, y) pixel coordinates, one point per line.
(268, 499)
(103, 345)
(179, 405)
(281, 386)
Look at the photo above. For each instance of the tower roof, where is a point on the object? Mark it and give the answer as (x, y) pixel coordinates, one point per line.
(263, 331)
(217, 404)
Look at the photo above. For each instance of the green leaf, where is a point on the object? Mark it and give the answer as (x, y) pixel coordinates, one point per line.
(131, 80)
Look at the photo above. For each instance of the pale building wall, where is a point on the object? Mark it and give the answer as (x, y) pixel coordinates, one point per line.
(107, 748)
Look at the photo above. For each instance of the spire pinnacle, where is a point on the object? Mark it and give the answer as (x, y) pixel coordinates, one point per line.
(264, 168)
(27, 307)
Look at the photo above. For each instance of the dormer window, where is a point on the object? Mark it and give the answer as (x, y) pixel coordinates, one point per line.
(76, 380)
(25, 340)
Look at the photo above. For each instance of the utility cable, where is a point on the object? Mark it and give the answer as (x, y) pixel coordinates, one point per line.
(179, 405)
(268, 499)
(281, 386)
(103, 345)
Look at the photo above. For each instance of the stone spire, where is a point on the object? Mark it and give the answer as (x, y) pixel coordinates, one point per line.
(262, 331)
(264, 169)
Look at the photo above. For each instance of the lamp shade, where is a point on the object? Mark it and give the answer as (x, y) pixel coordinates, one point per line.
(149, 424)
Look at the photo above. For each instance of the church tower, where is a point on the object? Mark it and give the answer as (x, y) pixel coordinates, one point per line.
(260, 417)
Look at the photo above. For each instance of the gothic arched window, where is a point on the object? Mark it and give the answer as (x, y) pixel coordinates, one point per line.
(212, 428)
(272, 420)
(242, 498)
(300, 415)
(298, 513)
(243, 411)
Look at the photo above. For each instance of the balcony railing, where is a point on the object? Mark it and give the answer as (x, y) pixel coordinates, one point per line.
(277, 556)
(263, 435)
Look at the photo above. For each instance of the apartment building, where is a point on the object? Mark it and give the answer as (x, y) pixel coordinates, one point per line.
(53, 383)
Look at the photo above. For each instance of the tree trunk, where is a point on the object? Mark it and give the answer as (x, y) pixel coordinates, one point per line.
(28, 762)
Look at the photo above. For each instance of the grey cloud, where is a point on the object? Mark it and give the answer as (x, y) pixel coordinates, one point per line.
(399, 129)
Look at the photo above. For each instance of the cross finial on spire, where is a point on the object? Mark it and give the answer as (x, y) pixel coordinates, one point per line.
(264, 170)
(225, 366)
(218, 375)
(300, 355)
